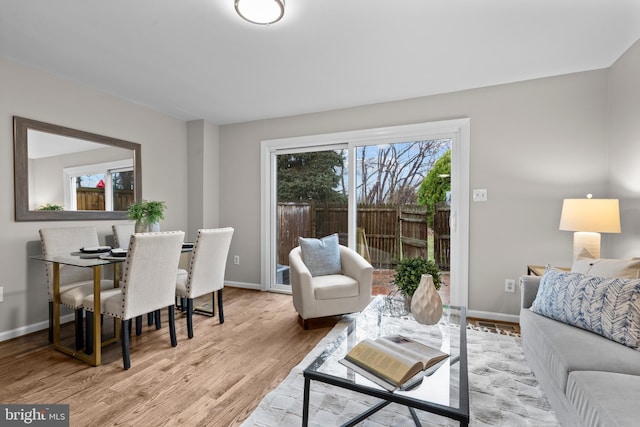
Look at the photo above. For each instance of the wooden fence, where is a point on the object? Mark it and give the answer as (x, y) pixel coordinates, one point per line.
(441, 236)
(92, 199)
(385, 232)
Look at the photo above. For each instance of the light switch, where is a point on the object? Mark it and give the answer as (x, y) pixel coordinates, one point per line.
(479, 194)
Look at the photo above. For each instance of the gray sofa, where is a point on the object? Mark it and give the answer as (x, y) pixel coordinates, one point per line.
(588, 379)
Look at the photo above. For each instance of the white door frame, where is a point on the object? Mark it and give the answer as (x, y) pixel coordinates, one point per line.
(456, 129)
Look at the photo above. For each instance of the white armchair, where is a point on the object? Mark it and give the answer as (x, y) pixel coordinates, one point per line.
(332, 294)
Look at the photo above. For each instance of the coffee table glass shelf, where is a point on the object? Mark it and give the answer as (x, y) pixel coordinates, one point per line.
(442, 389)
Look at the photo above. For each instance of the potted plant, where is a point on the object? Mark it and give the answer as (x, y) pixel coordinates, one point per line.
(154, 212)
(146, 214)
(409, 272)
(50, 207)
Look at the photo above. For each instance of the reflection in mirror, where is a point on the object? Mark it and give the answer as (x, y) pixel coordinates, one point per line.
(63, 173)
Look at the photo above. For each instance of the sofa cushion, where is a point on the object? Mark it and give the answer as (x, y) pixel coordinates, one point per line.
(604, 398)
(625, 268)
(321, 256)
(607, 306)
(563, 349)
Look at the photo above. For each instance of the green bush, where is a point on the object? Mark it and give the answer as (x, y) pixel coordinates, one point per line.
(409, 272)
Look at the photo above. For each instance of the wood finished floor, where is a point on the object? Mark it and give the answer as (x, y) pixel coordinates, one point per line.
(215, 379)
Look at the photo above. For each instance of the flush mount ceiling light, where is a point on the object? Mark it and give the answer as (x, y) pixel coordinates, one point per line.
(261, 12)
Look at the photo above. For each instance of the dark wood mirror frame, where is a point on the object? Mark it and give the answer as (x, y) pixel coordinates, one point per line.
(21, 172)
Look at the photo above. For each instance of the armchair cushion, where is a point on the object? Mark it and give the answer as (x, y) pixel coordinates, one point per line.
(321, 256)
(335, 286)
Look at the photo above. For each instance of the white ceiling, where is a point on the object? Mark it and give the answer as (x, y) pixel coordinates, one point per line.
(196, 59)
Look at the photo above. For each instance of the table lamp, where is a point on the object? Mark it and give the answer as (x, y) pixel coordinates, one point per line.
(588, 218)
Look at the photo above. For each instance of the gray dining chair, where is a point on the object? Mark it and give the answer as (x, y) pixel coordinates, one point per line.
(75, 282)
(206, 271)
(148, 284)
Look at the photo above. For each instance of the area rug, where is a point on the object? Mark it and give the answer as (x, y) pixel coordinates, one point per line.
(502, 392)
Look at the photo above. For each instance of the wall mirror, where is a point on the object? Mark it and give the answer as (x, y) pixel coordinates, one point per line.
(62, 173)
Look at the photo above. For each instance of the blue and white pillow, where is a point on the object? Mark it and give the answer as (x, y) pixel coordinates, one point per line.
(606, 306)
(321, 256)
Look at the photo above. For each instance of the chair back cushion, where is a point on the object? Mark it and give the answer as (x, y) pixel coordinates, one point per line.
(321, 256)
(149, 278)
(122, 233)
(623, 268)
(208, 261)
(63, 241)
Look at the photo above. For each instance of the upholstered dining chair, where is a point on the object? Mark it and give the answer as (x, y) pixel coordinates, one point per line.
(75, 282)
(328, 279)
(148, 284)
(206, 271)
(122, 233)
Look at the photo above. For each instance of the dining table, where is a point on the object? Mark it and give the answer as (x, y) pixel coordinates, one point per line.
(82, 261)
(95, 261)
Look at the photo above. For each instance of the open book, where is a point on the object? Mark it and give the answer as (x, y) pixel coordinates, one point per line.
(391, 361)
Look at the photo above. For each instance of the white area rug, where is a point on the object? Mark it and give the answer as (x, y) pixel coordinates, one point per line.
(502, 392)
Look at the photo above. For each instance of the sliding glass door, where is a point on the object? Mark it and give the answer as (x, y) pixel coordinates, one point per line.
(311, 197)
(367, 186)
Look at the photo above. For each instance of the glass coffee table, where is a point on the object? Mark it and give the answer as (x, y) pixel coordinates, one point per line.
(442, 389)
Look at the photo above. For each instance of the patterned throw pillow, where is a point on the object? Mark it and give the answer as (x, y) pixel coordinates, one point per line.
(321, 256)
(606, 306)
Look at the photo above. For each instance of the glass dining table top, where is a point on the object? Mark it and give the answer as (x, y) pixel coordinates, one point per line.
(77, 260)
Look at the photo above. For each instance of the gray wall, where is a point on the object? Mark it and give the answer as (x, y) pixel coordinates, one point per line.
(624, 143)
(532, 144)
(33, 94)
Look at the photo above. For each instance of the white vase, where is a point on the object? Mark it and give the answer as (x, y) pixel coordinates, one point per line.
(155, 227)
(426, 304)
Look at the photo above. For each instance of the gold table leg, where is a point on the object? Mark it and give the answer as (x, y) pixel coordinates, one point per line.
(95, 358)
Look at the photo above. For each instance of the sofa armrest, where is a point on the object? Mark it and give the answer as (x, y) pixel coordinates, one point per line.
(528, 290)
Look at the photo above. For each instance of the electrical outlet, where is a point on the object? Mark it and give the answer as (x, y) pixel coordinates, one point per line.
(509, 285)
(1, 293)
(236, 259)
(479, 194)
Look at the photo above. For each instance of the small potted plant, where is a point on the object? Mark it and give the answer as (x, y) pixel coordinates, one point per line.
(50, 207)
(147, 214)
(154, 213)
(409, 272)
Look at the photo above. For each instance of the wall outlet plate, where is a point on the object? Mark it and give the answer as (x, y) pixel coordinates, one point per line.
(479, 194)
(509, 285)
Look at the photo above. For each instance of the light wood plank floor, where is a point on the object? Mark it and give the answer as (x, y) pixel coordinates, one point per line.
(215, 379)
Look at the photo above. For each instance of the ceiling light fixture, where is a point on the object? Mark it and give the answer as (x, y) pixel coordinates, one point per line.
(261, 12)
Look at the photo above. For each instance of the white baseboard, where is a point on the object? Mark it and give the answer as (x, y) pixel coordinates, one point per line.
(243, 285)
(34, 327)
(502, 317)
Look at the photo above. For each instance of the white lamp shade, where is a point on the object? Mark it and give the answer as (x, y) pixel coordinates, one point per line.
(594, 215)
(263, 12)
